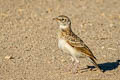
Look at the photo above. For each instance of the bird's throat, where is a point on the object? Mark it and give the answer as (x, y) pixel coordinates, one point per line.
(65, 28)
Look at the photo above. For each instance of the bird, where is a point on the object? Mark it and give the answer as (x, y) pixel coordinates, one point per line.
(69, 42)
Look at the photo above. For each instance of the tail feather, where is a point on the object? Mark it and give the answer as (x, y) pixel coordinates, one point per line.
(94, 62)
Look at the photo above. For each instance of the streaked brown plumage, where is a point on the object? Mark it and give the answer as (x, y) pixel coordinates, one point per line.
(71, 42)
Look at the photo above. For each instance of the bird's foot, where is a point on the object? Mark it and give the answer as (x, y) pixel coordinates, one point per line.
(94, 69)
(88, 68)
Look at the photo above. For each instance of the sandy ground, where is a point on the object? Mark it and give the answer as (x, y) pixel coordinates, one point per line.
(28, 40)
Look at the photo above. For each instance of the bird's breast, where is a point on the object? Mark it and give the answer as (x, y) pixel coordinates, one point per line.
(62, 44)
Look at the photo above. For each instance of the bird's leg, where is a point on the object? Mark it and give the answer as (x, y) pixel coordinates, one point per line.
(73, 60)
(71, 64)
(75, 70)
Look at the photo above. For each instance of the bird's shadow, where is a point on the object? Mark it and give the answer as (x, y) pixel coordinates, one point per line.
(107, 66)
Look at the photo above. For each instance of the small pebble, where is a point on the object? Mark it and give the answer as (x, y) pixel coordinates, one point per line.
(104, 55)
(102, 47)
(111, 48)
(111, 25)
(63, 60)
(8, 57)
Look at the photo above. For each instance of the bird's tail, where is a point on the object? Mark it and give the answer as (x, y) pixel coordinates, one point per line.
(94, 62)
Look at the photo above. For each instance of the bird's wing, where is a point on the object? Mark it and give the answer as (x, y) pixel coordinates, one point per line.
(78, 44)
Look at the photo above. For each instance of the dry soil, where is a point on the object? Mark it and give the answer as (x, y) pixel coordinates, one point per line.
(28, 40)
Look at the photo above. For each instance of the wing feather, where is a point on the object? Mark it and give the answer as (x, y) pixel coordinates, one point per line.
(78, 44)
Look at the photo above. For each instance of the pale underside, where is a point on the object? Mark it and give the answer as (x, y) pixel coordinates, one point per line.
(69, 49)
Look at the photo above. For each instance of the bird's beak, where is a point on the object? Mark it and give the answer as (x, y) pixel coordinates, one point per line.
(56, 19)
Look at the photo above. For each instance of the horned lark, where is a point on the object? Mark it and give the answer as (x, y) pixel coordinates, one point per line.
(71, 43)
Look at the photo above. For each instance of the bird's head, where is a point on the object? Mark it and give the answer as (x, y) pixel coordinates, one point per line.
(63, 21)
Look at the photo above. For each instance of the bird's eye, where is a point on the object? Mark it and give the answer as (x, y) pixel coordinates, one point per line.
(63, 19)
